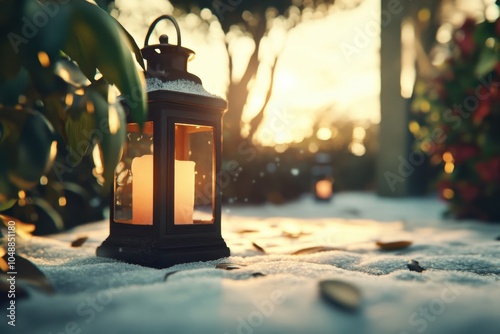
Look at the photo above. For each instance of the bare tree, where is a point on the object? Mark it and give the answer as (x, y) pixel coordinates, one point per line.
(254, 18)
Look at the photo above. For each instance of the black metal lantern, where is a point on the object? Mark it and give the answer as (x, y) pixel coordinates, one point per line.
(166, 206)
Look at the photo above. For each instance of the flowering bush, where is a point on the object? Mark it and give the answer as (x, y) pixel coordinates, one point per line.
(460, 128)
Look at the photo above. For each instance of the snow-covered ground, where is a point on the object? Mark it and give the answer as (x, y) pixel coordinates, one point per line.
(459, 292)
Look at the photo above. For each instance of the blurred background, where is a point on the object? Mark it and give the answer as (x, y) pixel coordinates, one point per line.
(346, 92)
(345, 95)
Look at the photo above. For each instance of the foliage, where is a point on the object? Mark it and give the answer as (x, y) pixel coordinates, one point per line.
(57, 62)
(461, 133)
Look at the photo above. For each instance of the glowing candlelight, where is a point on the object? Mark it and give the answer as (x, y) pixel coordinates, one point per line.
(184, 192)
(142, 190)
(142, 193)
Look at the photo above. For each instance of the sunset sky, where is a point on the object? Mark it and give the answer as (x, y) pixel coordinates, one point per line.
(327, 66)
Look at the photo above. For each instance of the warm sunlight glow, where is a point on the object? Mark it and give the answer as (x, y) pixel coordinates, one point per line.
(358, 149)
(313, 77)
(358, 134)
(313, 148)
(285, 81)
(96, 155)
(53, 151)
(324, 134)
(408, 56)
(114, 120)
(491, 13)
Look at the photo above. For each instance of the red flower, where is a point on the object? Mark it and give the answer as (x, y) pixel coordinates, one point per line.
(464, 152)
(468, 191)
(489, 171)
(482, 111)
(497, 27)
(465, 37)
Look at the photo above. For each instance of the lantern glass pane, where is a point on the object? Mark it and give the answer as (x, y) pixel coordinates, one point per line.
(194, 174)
(133, 192)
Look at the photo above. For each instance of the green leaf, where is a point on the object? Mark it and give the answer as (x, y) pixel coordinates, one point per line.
(28, 275)
(111, 127)
(488, 59)
(70, 73)
(95, 41)
(26, 146)
(42, 41)
(7, 205)
(10, 90)
(78, 134)
(9, 60)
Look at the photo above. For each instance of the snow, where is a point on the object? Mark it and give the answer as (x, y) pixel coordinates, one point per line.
(184, 86)
(459, 292)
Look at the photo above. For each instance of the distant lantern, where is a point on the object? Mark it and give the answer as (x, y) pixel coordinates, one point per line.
(166, 201)
(322, 178)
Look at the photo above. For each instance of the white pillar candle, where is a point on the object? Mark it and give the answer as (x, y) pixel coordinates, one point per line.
(142, 190)
(184, 192)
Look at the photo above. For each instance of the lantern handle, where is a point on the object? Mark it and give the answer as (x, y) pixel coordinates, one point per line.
(152, 26)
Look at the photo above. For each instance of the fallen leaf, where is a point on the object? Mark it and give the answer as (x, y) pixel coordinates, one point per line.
(316, 249)
(79, 241)
(168, 274)
(243, 231)
(294, 235)
(413, 265)
(394, 245)
(22, 229)
(259, 248)
(26, 273)
(229, 266)
(341, 294)
(258, 275)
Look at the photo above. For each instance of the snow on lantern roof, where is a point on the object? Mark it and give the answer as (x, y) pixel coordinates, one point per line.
(184, 86)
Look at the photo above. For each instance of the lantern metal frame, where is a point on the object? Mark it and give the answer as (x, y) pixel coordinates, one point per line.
(164, 243)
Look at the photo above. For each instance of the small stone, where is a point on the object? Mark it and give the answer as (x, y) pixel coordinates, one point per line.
(341, 294)
(413, 265)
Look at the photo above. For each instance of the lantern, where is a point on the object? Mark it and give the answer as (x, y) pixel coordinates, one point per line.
(166, 201)
(322, 178)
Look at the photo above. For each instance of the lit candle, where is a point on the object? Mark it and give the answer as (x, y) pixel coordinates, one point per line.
(142, 191)
(184, 192)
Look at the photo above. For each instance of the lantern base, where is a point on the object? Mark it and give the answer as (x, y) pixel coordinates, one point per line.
(159, 256)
